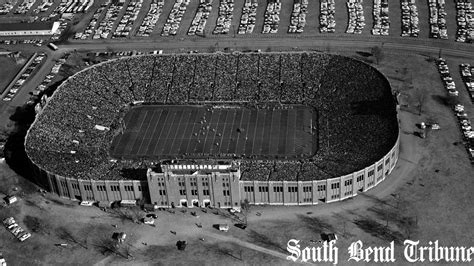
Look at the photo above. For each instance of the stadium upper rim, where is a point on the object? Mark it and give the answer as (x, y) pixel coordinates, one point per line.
(392, 134)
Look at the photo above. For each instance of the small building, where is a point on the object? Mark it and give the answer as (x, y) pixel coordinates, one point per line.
(28, 29)
(11, 199)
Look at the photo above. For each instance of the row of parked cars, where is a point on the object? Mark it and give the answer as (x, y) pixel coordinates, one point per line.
(447, 78)
(409, 18)
(24, 76)
(459, 109)
(37, 42)
(43, 6)
(464, 122)
(12, 226)
(126, 22)
(174, 18)
(438, 15)
(225, 16)
(327, 20)
(298, 16)
(106, 25)
(24, 6)
(6, 7)
(381, 19)
(200, 19)
(466, 128)
(465, 21)
(467, 74)
(272, 17)
(151, 18)
(249, 17)
(89, 30)
(356, 16)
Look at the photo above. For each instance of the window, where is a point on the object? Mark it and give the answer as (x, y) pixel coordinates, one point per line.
(193, 184)
(248, 189)
(205, 192)
(360, 178)
(182, 192)
(181, 184)
(101, 188)
(226, 192)
(307, 189)
(114, 188)
(292, 189)
(371, 173)
(379, 168)
(277, 189)
(262, 189)
(162, 192)
(206, 184)
(334, 185)
(387, 161)
(88, 187)
(348, 182)
(128, 188)
(194, 192)
(321, 187)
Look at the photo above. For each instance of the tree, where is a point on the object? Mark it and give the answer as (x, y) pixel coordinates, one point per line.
(419, 98)
(67, 235)
(245, 207)
(377, 52)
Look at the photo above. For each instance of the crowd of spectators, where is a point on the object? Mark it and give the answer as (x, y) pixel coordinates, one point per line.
(72, 135)
(249, 17)
(465, 21)
(409, 18)
(200, 19)
(298, 16)
(225, 16)
(272, 17)
(467, 74)
(327, 19)
(356, 22)
(151, 18)
(438, 15)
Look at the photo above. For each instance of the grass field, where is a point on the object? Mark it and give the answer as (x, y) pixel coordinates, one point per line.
(9, 71)
(225, 131)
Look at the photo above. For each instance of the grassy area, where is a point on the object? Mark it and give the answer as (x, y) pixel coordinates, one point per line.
(10, 68)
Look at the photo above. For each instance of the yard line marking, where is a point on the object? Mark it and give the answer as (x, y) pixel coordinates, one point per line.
(143, 136)
(134, 137)
(162, 120)
(149, 136)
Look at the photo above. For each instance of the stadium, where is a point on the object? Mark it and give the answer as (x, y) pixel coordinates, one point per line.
(217, 129)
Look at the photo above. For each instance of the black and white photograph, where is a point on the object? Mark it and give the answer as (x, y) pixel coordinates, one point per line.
(236, 132)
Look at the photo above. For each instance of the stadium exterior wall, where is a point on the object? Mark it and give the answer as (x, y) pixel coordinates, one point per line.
(222, 190)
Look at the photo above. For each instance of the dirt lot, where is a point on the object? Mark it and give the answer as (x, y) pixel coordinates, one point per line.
(428, 197)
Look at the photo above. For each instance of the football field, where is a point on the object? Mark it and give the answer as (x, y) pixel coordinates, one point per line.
(224, 131)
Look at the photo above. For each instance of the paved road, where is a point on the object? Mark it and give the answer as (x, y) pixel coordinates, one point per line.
(391, 44)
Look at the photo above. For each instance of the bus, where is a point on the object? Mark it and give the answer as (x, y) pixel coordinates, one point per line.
(53, 46)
